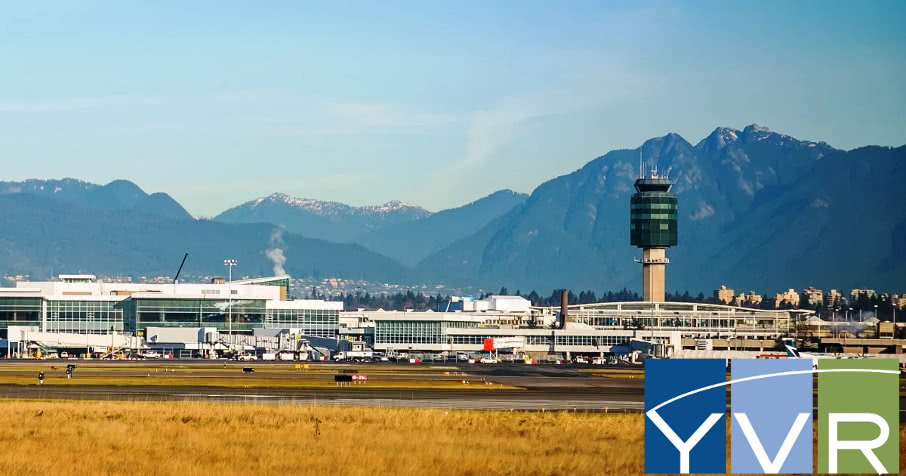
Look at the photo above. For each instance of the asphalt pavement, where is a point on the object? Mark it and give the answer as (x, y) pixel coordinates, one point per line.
(539, 387)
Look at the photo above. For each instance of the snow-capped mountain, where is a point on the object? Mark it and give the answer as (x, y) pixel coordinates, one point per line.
(328, 208)
(332, 221)
(757, 210)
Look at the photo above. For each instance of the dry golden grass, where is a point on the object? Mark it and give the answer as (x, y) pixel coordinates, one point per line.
(144, 438)
(106, 438)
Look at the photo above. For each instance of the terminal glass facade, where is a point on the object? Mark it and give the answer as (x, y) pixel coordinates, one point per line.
(84, 317)
(595, 341)
(313, 322)
(409, 332)
(469, 339)
(19, 311)
(246, 313)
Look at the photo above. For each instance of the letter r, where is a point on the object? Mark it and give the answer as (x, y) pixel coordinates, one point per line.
(866, 447)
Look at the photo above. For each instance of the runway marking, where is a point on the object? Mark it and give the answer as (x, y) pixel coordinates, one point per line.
(477, 404)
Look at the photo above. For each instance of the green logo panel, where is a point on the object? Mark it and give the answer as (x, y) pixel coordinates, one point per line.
(855, 404)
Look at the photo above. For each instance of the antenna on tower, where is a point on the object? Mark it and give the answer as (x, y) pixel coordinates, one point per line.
(641, 167)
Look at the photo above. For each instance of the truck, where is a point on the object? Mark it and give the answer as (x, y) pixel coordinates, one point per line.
(269, 356)
(349, 355)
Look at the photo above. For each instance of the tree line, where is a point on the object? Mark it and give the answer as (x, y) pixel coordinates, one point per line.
(401, 301)
(419, 301)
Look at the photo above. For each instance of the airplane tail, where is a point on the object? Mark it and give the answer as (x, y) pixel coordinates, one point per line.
(791, 351)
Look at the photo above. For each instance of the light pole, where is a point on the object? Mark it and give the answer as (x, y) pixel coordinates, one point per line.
(229, 263)
(835, 321)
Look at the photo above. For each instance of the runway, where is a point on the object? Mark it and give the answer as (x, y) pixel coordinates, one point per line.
(428, 398)
(535, 388)
(527, 388)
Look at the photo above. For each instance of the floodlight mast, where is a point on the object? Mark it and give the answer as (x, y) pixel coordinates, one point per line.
(229, 263)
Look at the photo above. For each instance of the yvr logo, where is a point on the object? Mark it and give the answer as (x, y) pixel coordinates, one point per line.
(771, 408)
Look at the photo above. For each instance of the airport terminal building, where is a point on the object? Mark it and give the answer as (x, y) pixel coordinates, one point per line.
(80, 305)
(79, 310)
(591, 329)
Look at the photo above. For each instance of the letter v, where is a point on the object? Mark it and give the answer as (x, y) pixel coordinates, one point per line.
(771, 467)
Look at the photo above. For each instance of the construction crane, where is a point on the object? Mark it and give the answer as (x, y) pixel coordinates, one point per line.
(176, 279)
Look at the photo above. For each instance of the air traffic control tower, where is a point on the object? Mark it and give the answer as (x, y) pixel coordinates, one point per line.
(652, 227)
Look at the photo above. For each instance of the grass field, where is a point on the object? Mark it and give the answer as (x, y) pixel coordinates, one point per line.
(107, 438)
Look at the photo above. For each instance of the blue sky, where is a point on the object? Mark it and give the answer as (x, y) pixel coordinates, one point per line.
(433, 103)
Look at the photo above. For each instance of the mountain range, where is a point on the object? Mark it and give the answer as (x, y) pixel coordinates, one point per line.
(118, 195)
(757, 210)
(42, 236)
(331, 221)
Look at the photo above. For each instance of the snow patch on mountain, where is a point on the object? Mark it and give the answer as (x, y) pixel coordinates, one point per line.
(329, 208)
(722, 137)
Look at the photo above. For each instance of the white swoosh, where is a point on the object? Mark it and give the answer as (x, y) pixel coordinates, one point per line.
(778, 374)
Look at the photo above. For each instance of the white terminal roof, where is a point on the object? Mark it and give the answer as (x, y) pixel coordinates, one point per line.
(84, 290)
(429, 316)
(260, 280)
(65, 277)
(310, 304)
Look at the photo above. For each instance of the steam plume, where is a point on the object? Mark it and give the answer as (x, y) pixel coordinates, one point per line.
(275, 253)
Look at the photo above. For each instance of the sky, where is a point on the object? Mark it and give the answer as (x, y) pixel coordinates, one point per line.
(431, 103)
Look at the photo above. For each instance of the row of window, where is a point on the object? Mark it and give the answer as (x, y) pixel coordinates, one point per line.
(198, 305)
(595, 341)
(653, 197)
(645, 226)
(460, 324)
(653, 206)
(653, 216)
(660, 322)
(403, 339)
(408, 332)
(20, 316)
(470, 340)
(313, 322)
(12, 304)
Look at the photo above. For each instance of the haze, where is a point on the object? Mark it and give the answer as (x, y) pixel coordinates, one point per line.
(219, 102)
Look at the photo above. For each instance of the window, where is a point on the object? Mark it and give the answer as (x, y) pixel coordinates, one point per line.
(313, 322)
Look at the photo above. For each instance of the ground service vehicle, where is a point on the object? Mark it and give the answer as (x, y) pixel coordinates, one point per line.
(348, 355)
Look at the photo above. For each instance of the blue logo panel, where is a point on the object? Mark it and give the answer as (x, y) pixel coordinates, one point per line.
(771, 418)
(689, 434)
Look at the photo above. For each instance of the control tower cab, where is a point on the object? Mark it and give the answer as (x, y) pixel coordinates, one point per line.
(652, 227)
